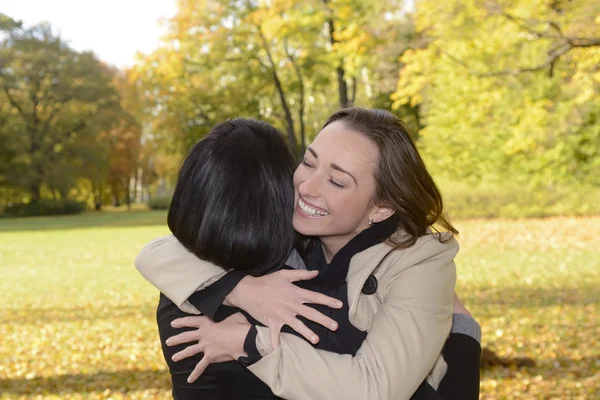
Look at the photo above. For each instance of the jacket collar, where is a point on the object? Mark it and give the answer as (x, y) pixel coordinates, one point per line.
(338, 268)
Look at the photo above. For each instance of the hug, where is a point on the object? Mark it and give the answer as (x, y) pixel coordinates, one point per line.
(331, 279)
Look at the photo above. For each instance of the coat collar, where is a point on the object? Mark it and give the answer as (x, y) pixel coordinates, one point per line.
(339, 267)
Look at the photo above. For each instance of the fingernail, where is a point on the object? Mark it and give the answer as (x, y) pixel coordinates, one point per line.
(314, 339)
(175, 358)
(339, 304)
(168, 342)
(173, 323)
(334, 326)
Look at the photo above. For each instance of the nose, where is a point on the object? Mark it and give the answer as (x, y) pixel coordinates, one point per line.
(310, 186)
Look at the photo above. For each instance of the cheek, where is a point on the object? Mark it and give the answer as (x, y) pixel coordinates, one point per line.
(298, 177)
(350, 207)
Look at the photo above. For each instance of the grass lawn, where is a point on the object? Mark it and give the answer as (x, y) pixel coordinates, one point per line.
(77, 321)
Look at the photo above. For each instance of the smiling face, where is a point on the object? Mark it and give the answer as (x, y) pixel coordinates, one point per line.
(335, 187)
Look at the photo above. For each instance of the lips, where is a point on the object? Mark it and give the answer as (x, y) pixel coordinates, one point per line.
(311, 210)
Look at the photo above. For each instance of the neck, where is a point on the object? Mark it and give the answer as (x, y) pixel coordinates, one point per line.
(332, 244)
(330, 250)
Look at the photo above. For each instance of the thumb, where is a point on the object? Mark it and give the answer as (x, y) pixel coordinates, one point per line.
(274, 332)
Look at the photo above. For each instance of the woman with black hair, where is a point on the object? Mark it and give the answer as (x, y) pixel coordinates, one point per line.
(234, 207)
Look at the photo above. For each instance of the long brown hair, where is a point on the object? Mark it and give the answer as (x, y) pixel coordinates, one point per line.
(402, 180)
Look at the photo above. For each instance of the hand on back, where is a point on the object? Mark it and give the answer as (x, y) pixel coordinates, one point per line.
(275, 301)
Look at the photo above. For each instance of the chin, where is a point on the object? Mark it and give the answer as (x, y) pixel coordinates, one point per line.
(306, 228)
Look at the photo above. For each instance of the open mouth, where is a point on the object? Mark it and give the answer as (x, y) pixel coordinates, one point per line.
(310, 210)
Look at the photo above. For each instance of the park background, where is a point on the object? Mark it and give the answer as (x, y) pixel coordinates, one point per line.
(502, 98)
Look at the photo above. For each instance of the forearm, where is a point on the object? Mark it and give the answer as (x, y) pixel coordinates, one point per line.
(405, 339)
(293, 368)
(462, 354)
(222, 292)
(175, 271)
(466, 325)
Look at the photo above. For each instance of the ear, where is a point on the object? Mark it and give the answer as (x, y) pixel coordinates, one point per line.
(380, 213)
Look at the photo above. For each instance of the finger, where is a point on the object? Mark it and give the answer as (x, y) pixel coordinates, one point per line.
(299, 275)
(319, 298)
(188, 322)
(302, 329)
(187, 352)
(315, 316)
(198, 370)
(185, 337)
(238, 317)
(274, 332)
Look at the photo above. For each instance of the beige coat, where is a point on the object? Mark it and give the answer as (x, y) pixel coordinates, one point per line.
(408, 320)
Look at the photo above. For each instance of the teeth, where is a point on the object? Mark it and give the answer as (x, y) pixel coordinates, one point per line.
(309, 210)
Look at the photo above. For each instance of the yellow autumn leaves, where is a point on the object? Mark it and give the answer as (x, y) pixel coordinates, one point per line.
(78, 322)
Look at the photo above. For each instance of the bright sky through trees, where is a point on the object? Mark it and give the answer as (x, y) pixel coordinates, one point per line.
(114, 29)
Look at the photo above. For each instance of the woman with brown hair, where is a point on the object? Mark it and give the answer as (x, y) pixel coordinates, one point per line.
(365, 199)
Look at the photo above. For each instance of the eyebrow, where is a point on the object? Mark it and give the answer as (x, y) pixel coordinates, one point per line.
(334, 166)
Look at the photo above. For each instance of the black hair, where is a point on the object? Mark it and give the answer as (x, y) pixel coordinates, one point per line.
(234, 198)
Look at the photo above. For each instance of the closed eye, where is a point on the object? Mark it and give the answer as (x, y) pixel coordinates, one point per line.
(337, 185)
(306, 163)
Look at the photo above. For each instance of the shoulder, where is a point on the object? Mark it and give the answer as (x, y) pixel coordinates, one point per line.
(156, 247)
(442, 245)
(432, 255)
(432, 246)
(423, 274)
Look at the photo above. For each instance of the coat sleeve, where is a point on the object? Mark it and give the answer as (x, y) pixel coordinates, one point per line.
(462, 353)
(404, 341)
(175, 271)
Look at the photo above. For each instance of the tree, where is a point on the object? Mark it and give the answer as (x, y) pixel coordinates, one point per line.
(50, 96)
(507, 89)
(281, 61)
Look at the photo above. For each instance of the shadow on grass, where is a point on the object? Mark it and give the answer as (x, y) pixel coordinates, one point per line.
(125, 381)
(85, 221)
(519, 297)
(557, 368)
(119, 381)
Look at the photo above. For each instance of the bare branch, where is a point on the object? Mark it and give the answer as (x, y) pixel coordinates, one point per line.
(563, 47)
(583, 42)
(14, 103)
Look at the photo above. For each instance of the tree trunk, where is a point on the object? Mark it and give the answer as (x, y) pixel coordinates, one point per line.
(340, 71)
(301, 100)
(97, 195)
(35, 190)
(353, 98)
(342, 87)
(128, 195)
(134, 193)
(288, 114)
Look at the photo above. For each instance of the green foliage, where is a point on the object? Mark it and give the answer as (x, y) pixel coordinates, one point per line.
(50, 96)
(501, 95)
(507, 90)
(61, 117)
(288, 63)
(513, 201)
(44, 207)
(159, 203)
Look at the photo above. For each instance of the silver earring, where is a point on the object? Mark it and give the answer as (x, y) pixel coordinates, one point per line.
(370, 221)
